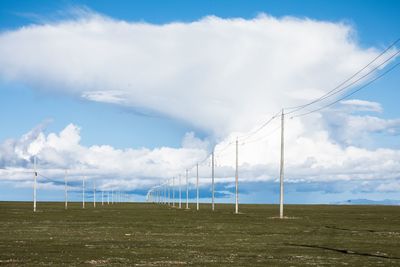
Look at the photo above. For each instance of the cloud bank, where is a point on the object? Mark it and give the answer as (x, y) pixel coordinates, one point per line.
(309, 159)
(219, 75)
(222, 76)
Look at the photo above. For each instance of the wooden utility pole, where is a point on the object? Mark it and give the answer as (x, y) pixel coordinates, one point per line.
(83, 192)
(180, 192)
(165, 193)
(197, 186)
(169, 193)
(237, 178)
(66, 190)
(187, 189)
(34, 183)
(282, 164)
(212, 180)
(94, 193)
(173, 191)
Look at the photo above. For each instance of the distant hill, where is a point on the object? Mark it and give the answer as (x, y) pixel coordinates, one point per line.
(368, 202)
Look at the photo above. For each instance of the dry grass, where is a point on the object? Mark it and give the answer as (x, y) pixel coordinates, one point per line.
(153, 235)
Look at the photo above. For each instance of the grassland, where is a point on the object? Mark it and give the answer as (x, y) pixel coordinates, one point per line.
(135, 234)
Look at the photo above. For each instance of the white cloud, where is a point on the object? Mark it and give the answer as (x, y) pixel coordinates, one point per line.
(57, 152)
(389, 187)
(362, 105)
(355, 129)
(220, 75)
(191, 141)
(321, 160)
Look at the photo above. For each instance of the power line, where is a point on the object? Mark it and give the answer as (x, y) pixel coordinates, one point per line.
(330, 93)
(49, 179)
(218, 156)
(346, 96)
(246, 136)
(205, 159)
(224, 148)
(262, 138)
(347, 86)
(341, 87)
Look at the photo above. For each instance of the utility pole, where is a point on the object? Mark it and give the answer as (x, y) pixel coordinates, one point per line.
(197, 185)
(237, 177)
(165, 193)
(94, 193)
(83, 192)
(282, 164)
(34, 183)
(66, 190)
(169, 192)
(173, 191)
(212, 178)
(108, 197)
(187, 189)
(168, 198)
(180, 192)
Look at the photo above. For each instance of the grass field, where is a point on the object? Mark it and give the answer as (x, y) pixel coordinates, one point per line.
(137, 234)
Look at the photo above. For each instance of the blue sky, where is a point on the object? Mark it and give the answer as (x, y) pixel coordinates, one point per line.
(25, 104)
(374, 21)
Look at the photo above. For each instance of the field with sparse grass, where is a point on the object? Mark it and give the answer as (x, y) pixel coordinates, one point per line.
(142, 234)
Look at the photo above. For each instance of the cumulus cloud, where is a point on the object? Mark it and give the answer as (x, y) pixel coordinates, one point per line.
(191, 141)
(59, 152)
(219, 75)
(362, 105)
(321, 161)
(349, 126)
(223, 76)
(393, 186)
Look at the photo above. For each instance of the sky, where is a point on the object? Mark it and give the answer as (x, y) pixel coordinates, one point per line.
(132, 93)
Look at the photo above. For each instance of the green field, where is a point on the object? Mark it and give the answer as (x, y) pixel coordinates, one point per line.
(156, 235)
